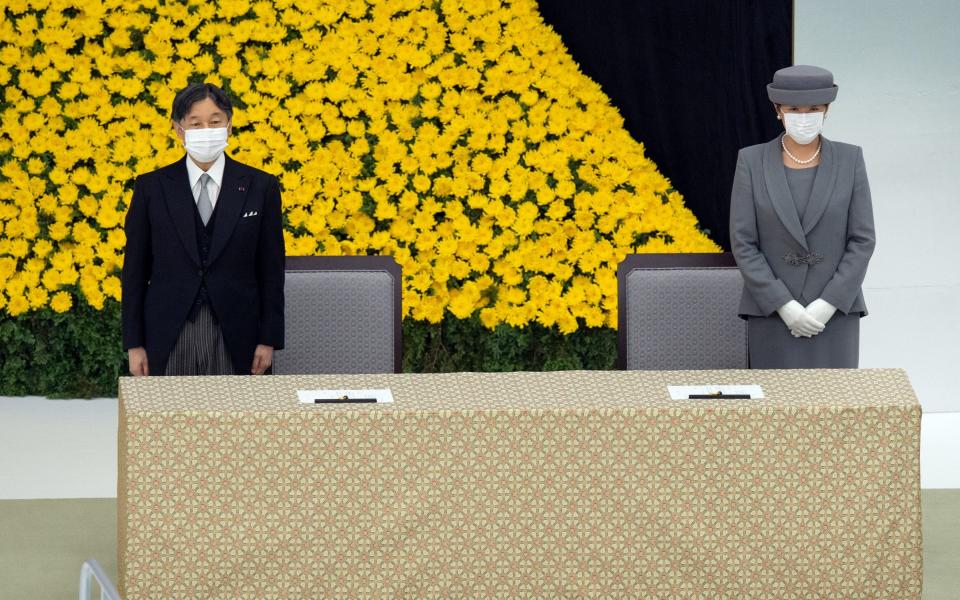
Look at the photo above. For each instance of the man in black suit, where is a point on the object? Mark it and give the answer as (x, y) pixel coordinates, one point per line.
(204, 263)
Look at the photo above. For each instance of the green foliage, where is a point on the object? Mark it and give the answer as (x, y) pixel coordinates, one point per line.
(466, 345)
(78, 354)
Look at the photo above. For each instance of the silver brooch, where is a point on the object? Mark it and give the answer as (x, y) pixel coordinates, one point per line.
(810, 258)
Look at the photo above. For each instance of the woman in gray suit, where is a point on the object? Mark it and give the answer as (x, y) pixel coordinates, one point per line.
(801, 230)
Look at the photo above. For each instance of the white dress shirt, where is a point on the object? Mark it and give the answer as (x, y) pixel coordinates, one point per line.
(216, 179)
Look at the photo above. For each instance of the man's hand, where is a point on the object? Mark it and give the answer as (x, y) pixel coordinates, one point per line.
(138, 361)
(262, 359)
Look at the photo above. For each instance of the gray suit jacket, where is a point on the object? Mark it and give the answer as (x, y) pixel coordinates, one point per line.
(784, 258)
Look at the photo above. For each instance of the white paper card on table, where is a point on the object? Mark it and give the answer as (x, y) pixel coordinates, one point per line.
(371, 396)
(683, 392)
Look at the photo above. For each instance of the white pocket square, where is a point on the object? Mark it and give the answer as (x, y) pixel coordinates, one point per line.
(250, 213)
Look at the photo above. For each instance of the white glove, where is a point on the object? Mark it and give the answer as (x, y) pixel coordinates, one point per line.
(821, 310)
(798, 320)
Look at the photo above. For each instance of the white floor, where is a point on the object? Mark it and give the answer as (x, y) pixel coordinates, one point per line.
(68, 448)
(58, 448)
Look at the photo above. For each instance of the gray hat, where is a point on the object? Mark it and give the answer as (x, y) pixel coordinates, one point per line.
(802, 85)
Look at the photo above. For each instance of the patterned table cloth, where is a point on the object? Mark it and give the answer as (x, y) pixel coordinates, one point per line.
(480, 485)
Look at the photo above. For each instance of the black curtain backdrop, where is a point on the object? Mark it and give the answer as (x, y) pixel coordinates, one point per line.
(689, 78)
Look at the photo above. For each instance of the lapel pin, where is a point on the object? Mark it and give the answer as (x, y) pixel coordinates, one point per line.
(242, 189)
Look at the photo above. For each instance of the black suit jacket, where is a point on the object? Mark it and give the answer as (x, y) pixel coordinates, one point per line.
(162, 269)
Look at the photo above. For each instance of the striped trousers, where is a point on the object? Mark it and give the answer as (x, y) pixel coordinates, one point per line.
(200, 349)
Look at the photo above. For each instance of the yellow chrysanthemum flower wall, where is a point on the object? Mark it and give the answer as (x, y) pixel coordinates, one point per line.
(457, 136)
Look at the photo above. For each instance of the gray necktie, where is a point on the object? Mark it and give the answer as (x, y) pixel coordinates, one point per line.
(203, 203)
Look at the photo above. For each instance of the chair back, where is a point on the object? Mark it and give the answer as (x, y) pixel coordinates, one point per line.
(341, 315)
(679, 311)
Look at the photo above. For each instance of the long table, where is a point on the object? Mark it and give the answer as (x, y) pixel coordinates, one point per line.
(560, 484)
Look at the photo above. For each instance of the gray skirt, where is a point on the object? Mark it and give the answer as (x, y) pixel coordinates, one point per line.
(772, 346)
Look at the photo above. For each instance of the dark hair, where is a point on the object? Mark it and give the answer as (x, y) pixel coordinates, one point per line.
(197, 92)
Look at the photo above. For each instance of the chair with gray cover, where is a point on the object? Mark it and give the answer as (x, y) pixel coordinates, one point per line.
(679, 311)
(341, 315)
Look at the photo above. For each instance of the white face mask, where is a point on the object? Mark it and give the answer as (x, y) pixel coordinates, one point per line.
(803, 127)
(205, 145)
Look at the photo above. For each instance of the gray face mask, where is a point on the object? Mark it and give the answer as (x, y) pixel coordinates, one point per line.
(803, 128)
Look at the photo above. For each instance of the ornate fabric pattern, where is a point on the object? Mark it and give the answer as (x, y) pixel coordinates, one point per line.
(563, 484)
(337, 322)
(685, 318)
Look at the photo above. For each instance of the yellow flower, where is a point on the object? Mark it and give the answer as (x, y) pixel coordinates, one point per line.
(111, 287)
(17, 305)
(421, 183)
(391, 131)
(464, 300)
(61, 302)
(37, 297)
(188, 49)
